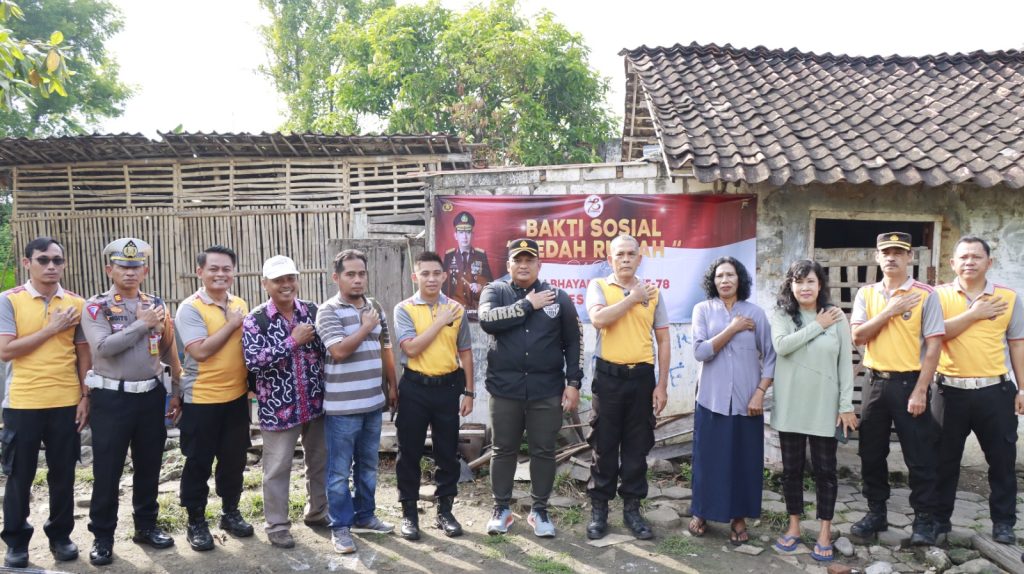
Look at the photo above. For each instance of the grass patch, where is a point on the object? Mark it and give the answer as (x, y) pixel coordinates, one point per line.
(547, 565)
(427, 468)
(213, 512)
(569, 516)
(677, 546)
(172, 517)
(84, 476)
(40, 478)
(251, 506)
(296, 506)
(496, 540)
(774, 520)
(252, 479)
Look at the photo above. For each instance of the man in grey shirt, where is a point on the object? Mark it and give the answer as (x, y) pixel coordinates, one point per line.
(129, 332)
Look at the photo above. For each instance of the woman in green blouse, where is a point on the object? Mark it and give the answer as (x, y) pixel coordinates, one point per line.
(813, 395)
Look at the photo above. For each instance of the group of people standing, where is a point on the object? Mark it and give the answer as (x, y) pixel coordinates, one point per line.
(938, 367)
(324, 375)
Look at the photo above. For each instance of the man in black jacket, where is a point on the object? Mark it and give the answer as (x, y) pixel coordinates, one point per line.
(534, 373)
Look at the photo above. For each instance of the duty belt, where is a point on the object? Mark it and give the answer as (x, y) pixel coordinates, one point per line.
(624, 371)
(894, 376)
(969, 383)
(94, 381)
(451, 378)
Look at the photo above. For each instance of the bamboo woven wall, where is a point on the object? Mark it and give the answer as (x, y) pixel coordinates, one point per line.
(258, 207)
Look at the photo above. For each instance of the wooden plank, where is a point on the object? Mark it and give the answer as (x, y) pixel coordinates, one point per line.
(1005, 556)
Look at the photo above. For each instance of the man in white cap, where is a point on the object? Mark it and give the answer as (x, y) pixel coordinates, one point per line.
(129, 333)
(286, 357)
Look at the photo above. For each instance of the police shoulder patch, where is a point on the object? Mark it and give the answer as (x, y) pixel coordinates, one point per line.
(93, 309)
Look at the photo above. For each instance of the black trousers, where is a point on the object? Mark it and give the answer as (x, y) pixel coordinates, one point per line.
(885, 404)
(823, 465)
(990, 414)
(24, 430)
(621, 427)
(420, 406)
(208, 431)
(121, 420)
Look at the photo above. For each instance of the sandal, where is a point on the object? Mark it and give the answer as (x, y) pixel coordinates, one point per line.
(738, 537)
(817, 554)
(697, 526)
(791, 542)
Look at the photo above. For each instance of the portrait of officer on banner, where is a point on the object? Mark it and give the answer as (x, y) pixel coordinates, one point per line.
(467, 267)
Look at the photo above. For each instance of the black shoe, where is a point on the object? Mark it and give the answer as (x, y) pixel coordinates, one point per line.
(154, 537)
(16, 558)
(445, 519)
(924, 530)
(64, 551)
(874, 521)
(102, 552)
(410, 527)
(1003, 533)
(598, 526)
(234, 524)
(634, 521)
(198, 535)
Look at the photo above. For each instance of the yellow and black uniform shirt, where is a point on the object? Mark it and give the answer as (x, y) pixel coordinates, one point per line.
(414, 316)
(630, 340)
(48, 376)
(222, 377)
(980, 351)
(899, 346)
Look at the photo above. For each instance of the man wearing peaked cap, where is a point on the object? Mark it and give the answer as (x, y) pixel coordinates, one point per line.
(534, 373)
(467, 267)
(129, 334)
(899, 322)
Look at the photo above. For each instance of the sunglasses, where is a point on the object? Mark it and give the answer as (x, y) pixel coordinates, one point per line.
(45, 261)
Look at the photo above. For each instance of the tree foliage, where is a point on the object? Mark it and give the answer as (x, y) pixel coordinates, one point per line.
(522, 87)
(28, 67)
(302, 56)
(97, 91)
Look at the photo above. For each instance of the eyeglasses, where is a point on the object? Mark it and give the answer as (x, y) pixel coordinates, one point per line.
(45, 261)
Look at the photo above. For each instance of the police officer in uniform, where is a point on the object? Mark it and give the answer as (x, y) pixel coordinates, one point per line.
(895, 319)
(129, 332)
(467, 267)
(974, 391)
(630, 317)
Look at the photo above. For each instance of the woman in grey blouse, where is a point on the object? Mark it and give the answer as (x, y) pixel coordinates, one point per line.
(813, 395)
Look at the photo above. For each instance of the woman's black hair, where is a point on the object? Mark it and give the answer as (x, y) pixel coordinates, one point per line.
(743, 287)
(798, 270)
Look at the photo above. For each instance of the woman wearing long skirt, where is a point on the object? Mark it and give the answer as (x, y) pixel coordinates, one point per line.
(732, 341)
(813, 396)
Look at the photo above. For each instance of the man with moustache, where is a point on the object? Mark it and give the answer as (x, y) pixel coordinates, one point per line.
(899, 322)
(534, 374)
(46, 401)
(129, 333)
(215, 411)
(286, 357)
(434, 336)
(355, 334)
(467, 267)
(984, 324)
(630, 316)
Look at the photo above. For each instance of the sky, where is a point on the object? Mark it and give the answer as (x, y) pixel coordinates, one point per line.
(196, 63)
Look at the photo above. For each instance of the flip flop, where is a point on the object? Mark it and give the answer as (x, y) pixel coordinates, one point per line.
(792, 543)
(818, 549)
(697, 526)
(738, 537)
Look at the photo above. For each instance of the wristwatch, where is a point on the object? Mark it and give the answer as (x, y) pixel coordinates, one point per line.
(470, 394)
(1020, 392)
(574, 384)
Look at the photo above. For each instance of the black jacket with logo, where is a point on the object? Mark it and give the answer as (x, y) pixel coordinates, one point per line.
(532, 352)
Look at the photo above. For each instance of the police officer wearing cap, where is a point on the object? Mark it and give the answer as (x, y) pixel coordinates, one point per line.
(974, 392)
(899, 322)
(534, 373)
(467, 267)
(129, 333)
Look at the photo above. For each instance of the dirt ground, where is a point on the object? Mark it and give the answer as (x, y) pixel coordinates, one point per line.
(674, 550)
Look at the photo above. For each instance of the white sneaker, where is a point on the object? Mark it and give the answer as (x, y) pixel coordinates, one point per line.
(542, 525)
(500, 520)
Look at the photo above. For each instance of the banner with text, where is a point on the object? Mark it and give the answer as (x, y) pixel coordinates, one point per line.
(679, 235)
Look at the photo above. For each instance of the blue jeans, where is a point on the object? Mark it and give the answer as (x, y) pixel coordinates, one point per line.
(352, 445)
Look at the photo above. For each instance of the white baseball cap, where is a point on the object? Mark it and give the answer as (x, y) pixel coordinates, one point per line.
(278, 266)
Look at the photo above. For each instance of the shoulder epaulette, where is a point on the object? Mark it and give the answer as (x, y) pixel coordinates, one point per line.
(452, 250)
(924, 286)
(13, 290)
(478, 250)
